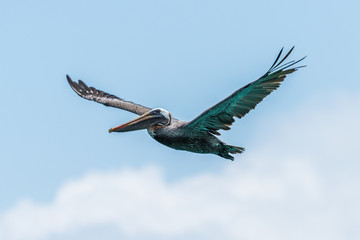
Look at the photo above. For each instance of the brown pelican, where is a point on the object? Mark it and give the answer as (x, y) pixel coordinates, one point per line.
(197, 135)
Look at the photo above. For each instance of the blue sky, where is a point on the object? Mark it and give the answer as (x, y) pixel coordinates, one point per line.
(183, 56)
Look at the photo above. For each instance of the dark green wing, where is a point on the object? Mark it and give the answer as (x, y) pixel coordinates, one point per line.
(221, 116)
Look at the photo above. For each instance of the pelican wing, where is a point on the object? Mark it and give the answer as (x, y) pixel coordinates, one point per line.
(238, 104)
(107, 99)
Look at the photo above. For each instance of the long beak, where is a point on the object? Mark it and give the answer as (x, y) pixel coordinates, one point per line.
(144, 121)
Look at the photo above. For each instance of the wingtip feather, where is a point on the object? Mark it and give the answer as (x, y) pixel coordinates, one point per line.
(68, 79)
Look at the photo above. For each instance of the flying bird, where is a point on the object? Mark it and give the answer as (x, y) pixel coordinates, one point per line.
(198, 135)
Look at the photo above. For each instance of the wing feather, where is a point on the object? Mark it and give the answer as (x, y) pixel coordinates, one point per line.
(92, 94)
(238, 104)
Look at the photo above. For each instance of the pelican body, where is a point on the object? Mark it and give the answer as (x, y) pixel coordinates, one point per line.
(177, 136)
(198, 135)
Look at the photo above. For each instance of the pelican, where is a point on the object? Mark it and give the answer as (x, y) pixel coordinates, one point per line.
(198, 135)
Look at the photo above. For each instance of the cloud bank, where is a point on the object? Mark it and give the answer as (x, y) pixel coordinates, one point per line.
(303, 184)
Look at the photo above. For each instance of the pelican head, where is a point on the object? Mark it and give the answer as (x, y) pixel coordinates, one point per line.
(157, 116)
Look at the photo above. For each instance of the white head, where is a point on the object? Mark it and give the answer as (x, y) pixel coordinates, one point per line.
(166, 115)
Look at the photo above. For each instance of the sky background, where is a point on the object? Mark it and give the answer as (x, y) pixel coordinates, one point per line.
(63, 176)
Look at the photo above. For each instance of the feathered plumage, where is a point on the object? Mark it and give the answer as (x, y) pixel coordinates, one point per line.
(197, 135)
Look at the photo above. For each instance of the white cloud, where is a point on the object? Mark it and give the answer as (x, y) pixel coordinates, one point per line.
(303, 184)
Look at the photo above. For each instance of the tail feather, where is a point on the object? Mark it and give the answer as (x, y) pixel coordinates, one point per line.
(235, 149)
(230, 149)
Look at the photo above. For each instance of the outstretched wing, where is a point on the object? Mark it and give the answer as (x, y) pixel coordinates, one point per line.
(221, 116)
(107, 99)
